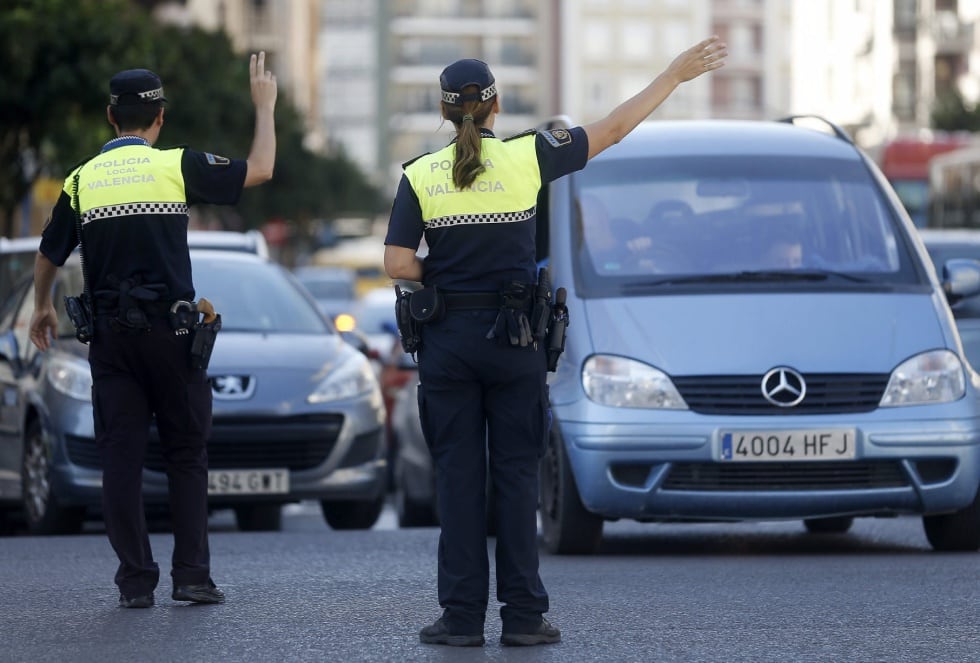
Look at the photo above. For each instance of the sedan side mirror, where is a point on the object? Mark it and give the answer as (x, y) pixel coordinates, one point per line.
(961, 279)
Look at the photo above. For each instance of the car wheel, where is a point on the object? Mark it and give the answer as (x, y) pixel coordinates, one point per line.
(836, 525)
(412, 513)
(42, 512)
(955, 532)
(567, 528)
(259, 517)
(348, 514)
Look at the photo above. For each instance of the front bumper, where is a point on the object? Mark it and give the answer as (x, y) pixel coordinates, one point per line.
(670, 468)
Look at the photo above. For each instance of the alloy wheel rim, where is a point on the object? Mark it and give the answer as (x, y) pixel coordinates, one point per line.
(36, 486)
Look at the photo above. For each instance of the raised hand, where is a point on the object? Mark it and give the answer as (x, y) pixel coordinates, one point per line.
(703, 57)
(264, 89)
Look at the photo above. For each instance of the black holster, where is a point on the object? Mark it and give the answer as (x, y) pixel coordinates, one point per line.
(79, 310)
(202, 342)
(556, 330)
(409, 331)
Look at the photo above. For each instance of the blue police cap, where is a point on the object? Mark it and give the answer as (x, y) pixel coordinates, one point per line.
(135, 86)
(463, 73)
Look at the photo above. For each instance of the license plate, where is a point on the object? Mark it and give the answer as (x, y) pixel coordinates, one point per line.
(248, 482)
(788, 445)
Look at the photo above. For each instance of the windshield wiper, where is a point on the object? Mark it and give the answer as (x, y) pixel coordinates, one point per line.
(754, 276)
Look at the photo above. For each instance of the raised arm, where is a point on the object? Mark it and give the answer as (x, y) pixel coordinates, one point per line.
(262, 157)
(701, 58)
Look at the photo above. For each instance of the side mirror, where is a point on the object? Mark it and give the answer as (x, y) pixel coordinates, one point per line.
(961, 279)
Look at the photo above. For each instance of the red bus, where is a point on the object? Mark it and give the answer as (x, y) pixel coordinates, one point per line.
(905, 162)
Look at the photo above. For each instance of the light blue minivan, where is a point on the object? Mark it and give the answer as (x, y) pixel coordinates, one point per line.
(756, 333)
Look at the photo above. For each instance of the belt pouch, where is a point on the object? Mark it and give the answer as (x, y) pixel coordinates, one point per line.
(427, 305)
(79, 310)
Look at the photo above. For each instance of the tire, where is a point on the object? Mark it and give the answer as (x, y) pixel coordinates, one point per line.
(348, 514)
(835, 525)
(955, 532)
(259, 517)
(412, 513)
(43, 514)
(567, 528)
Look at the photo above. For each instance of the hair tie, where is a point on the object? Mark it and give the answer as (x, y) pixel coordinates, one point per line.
(467, 117)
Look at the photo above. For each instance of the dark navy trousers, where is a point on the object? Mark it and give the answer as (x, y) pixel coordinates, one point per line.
(484, 405)
(134, 378)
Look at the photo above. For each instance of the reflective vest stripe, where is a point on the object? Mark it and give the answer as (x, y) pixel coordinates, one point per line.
(462, 219)
(506, 191)
(133, 208)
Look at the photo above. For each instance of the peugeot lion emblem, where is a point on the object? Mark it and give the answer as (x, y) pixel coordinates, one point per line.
(232, 387)
(783, 387)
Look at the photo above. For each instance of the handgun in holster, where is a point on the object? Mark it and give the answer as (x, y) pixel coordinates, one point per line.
(556, 329)
(204, 334)
(409, 329)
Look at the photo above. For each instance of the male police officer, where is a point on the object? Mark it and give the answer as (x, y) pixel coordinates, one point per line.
(128, 206)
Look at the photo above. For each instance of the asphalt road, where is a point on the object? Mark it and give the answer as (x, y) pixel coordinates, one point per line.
(736, 592)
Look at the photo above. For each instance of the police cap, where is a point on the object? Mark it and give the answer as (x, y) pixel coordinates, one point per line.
(135, 86)
(463, 73)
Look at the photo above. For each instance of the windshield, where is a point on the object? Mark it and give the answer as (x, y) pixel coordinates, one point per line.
(255, 296)
(740, 219)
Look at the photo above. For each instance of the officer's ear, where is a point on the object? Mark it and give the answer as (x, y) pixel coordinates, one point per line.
(111, 119)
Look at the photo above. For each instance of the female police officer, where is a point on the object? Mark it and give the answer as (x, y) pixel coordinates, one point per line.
(482, 378)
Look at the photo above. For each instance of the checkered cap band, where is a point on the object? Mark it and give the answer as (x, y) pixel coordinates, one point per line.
(486, 94)
(474, 219)
(132, 209)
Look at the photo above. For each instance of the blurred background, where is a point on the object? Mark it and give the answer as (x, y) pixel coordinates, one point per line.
(359, 86)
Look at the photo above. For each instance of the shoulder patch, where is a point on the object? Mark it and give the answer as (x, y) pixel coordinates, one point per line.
(215, 160)
(529, 132)
(411, 161)
(558, 137)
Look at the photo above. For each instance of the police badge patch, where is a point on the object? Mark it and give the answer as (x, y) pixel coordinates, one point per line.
(557, 137)
(215, 160)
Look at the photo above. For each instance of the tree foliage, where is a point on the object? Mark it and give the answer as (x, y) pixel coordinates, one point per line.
(951, 113)
(56, 58)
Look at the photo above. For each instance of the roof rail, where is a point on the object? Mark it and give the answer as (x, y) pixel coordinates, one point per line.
(838, 131)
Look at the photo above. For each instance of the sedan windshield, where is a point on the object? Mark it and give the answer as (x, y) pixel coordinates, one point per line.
(255, 296)
(714, 221)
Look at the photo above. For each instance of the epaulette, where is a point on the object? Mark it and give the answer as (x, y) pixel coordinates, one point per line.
(182, 146)
(411, 161)
(529, 132)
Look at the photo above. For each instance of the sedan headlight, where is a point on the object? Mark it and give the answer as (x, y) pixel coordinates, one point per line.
(932, 377)
(621, 382)
(352, 378)
(71, 377)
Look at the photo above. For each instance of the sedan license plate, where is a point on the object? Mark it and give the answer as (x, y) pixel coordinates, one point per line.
(248, 482)
(788, 445)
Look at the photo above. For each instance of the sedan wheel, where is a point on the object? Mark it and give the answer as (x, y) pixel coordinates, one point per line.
(955, 532)
(567, 528)
(41, 509)
(348, 514)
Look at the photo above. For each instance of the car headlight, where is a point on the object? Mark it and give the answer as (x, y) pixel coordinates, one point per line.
(621, 382)
(932, 377)
(71, 377)
(352, 378)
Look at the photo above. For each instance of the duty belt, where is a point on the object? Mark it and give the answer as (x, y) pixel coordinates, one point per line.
(150, 307)
(470, 301)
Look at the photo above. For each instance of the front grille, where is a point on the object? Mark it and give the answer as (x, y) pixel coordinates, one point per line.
(747, 477)
(296, 443)
(826, 393)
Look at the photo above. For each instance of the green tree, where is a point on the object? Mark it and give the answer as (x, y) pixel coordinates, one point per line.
(56, 57)
(951, 113)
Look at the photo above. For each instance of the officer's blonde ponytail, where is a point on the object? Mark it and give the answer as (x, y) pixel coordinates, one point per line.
(468, 119)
